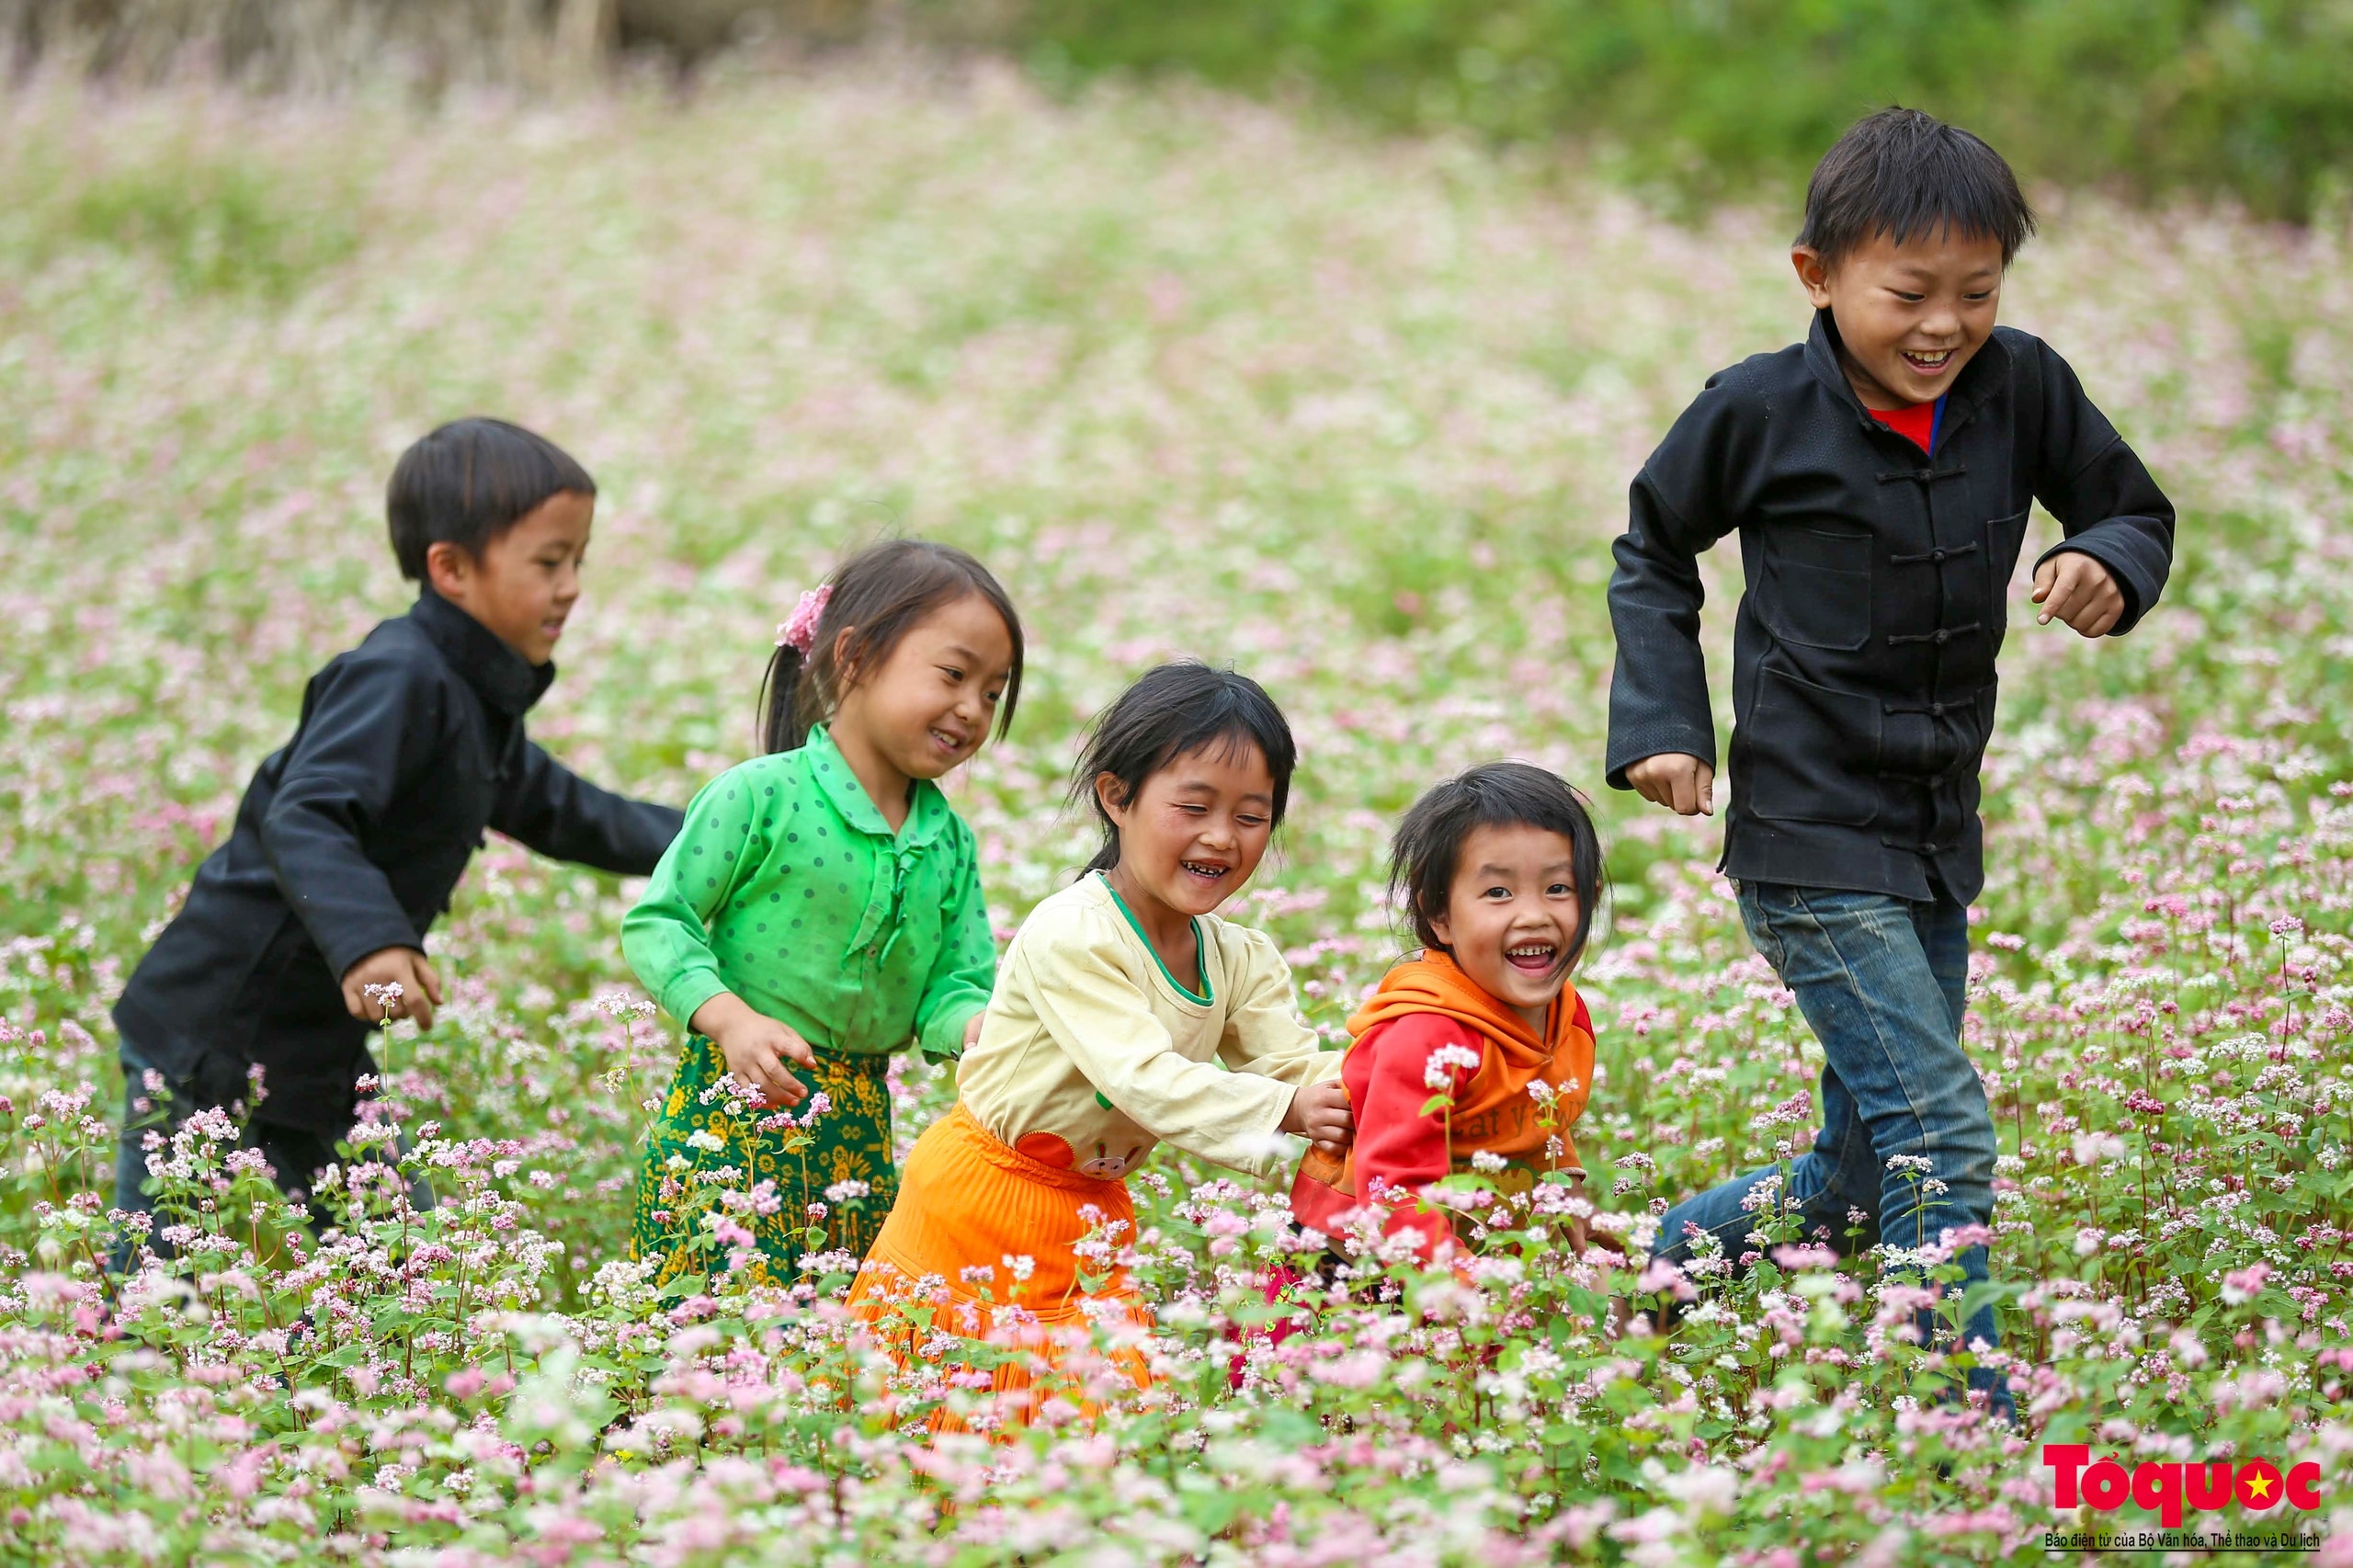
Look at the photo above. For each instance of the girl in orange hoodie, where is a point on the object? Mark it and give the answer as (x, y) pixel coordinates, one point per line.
(1477, 1054)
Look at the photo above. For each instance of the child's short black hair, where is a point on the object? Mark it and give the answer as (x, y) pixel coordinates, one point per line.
(1429, 844)
(878, 596)
(1172, 710)
(1908, 174)
(468, 482)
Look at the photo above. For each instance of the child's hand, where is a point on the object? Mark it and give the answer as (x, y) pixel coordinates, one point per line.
(1319, 1113)
(755, 1046)
(2076, 589)
(1580, 1229)
(1579, 1233)
(403, 967)
(972, 1029)
(1677, 781)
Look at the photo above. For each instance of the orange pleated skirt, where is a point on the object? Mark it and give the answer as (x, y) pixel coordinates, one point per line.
(946, 1289)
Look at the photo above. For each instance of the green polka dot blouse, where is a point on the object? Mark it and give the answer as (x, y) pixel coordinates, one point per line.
(786, 888)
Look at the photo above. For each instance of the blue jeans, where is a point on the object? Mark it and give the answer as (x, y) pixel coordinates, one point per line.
(1882, 981)
(295, 1156)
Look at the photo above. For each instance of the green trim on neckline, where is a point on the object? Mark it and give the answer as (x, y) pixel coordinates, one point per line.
(1136, 926)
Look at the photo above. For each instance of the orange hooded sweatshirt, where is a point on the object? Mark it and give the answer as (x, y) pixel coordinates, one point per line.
(1421, 1007)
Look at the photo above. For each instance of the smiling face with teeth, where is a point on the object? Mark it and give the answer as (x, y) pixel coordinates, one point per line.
(1192, 836)
(1511, 913)
(1909, 315)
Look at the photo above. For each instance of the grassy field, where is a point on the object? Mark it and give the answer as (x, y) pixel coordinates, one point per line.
(1193, 378)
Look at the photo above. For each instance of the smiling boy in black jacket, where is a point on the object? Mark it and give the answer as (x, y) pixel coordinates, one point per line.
(1880, 476)
(351, 838)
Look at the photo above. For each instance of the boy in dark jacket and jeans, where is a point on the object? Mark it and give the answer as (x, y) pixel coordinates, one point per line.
(1880, 476)
(350, 840)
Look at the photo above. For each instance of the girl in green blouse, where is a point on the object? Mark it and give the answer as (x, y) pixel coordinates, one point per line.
(822, 906)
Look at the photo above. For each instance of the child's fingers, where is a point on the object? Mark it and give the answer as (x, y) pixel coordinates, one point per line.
(777, 1087)
(2058, 600)
(412, 995)
(1669, 780)
(754, 1065)
(2096, 609)
(2102, 607)
(2077, 589)
(420, 994)
(2044, 576)
(789, 1043)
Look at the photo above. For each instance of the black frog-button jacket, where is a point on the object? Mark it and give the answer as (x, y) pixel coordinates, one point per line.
(351, 839)
(1877, 584)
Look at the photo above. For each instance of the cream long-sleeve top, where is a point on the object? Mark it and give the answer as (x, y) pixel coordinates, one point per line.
(1092, 1054)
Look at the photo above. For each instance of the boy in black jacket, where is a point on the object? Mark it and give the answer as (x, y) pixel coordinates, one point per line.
(350, 839)
(1880, 476)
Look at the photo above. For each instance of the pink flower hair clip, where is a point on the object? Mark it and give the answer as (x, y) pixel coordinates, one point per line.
(800, 633)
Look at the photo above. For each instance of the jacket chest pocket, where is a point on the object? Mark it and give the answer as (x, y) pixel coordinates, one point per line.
(1818, 586)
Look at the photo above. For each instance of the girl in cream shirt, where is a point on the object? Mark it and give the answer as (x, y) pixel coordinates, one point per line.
(1126, 1013)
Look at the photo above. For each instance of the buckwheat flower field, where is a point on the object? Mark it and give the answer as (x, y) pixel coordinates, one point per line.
(1194, 378)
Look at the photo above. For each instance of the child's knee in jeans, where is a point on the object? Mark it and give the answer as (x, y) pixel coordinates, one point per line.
(1963, 1150)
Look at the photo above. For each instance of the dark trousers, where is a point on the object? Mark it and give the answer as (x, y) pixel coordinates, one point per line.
(295, 1155)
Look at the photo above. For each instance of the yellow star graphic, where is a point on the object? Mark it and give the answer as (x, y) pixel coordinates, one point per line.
(2260, 1487)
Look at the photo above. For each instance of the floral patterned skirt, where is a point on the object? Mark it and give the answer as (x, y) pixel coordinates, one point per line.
(820, 1188)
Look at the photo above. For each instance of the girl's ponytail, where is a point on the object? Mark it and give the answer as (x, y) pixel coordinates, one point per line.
(781, 726)
(786, 709)
(850, 623)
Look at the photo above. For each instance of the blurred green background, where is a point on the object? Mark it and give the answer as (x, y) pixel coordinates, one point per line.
(2253, 97)
(1691, 100)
